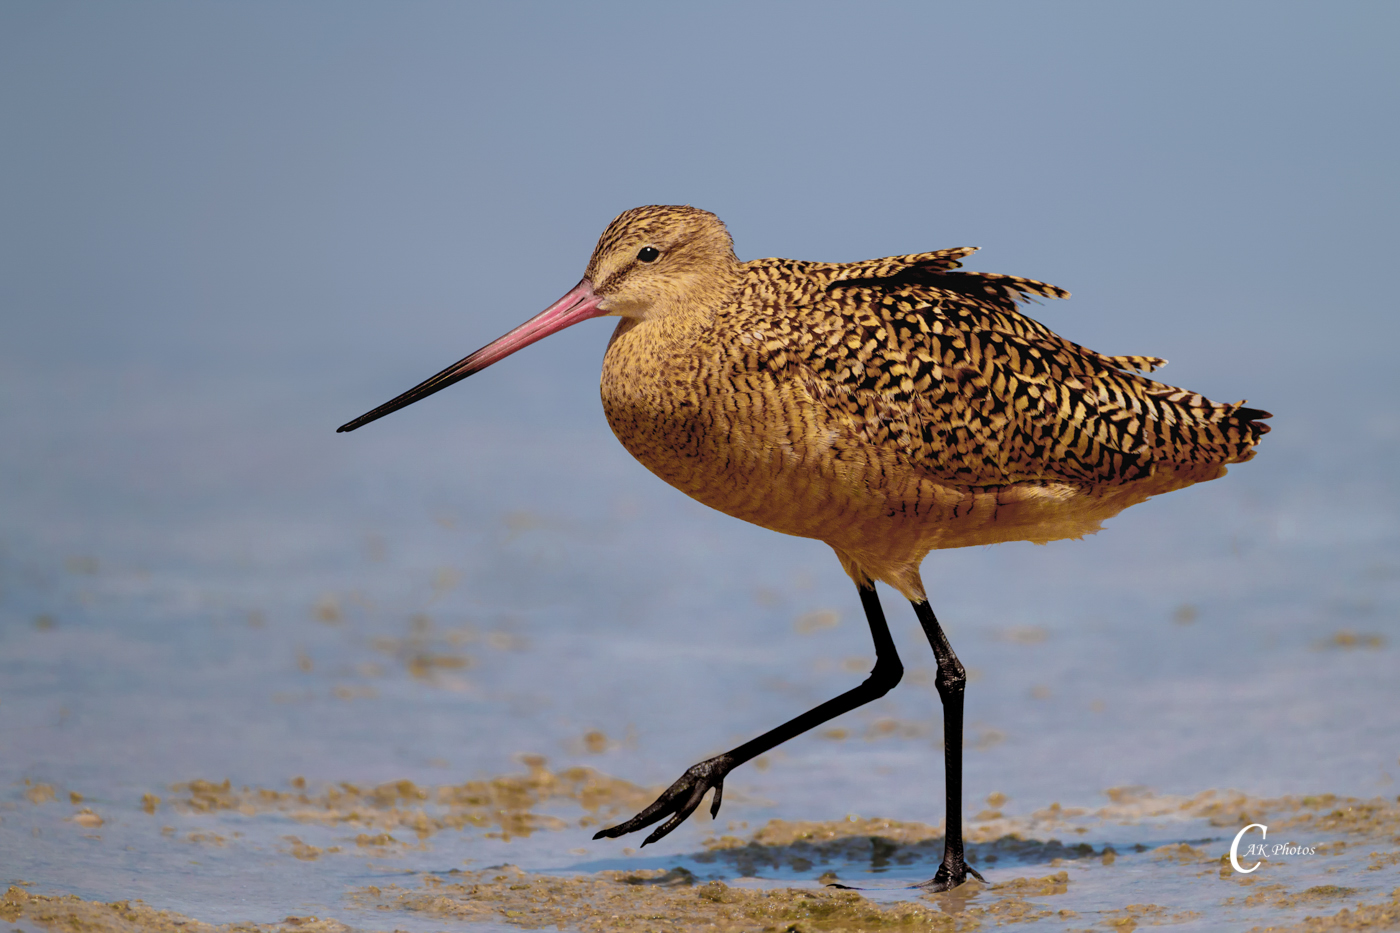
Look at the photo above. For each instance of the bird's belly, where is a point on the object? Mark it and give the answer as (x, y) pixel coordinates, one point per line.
(763, 452)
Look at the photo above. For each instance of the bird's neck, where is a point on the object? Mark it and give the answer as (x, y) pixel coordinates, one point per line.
(678, 318)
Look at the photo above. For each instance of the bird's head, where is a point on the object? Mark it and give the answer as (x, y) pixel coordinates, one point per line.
(651, 262)
(656, 260)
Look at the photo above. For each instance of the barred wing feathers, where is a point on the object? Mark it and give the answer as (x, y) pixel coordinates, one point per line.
(942, 366)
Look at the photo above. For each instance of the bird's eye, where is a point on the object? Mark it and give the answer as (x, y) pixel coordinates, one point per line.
(648, 254)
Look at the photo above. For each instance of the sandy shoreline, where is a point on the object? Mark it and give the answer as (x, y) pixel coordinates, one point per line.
(1142, 859)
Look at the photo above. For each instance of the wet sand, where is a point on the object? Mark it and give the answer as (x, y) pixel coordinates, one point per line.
(1141, 859)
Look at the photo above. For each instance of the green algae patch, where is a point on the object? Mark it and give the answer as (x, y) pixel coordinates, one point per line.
(1009, 901)
(71, 914)
(38, 793)
(1377, 817)
(674, 899)
(1048, 886)
(1362, 917)
(505, 807)
(1183, 854)
(1279, 897)
(651, 900)
(519, 805)
(1135, 915)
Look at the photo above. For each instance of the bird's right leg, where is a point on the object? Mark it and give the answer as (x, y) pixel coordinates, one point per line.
(951, 681)
(682, 797)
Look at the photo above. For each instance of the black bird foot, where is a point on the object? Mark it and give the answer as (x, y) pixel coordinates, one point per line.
(953, 872)
(679, 800)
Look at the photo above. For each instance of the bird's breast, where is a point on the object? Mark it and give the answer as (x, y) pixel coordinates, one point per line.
(716, 426)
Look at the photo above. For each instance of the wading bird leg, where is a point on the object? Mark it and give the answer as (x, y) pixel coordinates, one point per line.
(682, 797)
(951, 680)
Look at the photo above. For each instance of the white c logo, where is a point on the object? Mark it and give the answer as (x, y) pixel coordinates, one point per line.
(1235, 847)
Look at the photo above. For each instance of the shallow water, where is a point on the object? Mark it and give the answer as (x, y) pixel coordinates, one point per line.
(343, 615)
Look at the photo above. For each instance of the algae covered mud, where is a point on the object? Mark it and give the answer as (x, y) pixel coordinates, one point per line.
(1138, 860)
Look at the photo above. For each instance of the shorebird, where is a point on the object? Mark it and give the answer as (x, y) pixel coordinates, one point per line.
(888, 407)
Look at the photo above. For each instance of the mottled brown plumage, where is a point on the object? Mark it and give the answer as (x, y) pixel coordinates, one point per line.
(887, 407)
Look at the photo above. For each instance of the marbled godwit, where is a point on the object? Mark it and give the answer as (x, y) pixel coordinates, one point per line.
(887, 407)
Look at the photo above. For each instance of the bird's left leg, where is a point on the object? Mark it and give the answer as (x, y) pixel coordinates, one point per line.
(682, 797)
(951, 681)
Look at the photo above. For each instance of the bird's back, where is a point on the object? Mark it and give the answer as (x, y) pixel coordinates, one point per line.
(943, 367)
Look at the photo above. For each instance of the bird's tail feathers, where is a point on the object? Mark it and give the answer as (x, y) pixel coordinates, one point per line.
(1252, 419)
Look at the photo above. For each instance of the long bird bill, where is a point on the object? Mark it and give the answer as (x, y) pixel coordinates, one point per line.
(579, 304)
